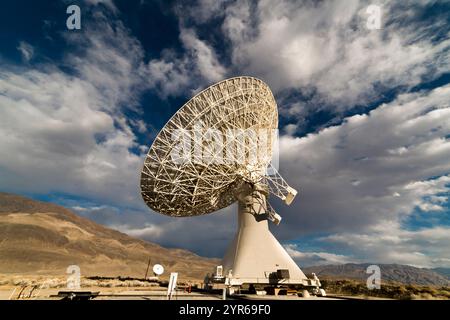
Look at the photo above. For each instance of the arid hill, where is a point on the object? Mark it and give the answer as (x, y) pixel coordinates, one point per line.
(397, 273)
(43, 238)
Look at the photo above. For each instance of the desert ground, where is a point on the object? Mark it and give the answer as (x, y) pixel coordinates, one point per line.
(15, 287)
(28, 287)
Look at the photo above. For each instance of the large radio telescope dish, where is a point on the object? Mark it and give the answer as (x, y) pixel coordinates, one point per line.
(216, 150)
(190, 187)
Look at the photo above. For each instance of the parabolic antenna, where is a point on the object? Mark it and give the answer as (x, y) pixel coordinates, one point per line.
(214, 151)
(184, 177)
(158, 269)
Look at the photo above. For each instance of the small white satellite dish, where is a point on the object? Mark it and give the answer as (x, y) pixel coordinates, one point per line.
(158, 269)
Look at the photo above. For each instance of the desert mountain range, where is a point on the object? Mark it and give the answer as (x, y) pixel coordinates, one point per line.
(43, 238)
(389, 273)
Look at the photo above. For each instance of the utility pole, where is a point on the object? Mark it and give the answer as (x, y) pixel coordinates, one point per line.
(148, 265)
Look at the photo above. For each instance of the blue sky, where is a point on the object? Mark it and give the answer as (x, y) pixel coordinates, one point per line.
(364, 115)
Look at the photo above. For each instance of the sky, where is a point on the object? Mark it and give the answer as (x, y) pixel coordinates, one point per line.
(364, 115)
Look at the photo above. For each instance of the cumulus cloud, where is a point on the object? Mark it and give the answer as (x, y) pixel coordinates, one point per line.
(376, 166)
(66, 132)
(110, 60)
(374, 170)
(197, 67)
(205, 10)
(389, 242)
(169, 75)
(203, 55)
(325, 51)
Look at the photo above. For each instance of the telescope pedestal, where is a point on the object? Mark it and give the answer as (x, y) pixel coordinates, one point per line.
(255, 255)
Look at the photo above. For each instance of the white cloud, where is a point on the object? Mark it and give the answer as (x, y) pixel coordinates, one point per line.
(26, 50)
(308, 258)
(195, 69)
(290, 129)
(169, 75)
(110, 60)
(149, 231)
(204, 10)
(203, 55)
(325, 165)
(66, 133)
(388, 242)
(325, 50)
(350, 180)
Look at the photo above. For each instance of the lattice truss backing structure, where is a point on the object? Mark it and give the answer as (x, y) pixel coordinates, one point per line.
(219, 140)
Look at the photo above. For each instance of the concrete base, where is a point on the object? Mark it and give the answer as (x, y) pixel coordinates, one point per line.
(255, 255)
